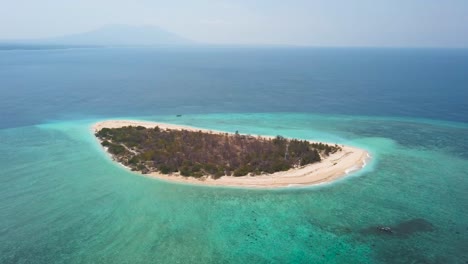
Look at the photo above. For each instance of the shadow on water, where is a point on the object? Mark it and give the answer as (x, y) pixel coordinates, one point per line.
(388, 251)
(401, 230)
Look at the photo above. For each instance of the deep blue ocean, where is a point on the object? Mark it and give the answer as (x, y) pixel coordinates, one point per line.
(64, 201)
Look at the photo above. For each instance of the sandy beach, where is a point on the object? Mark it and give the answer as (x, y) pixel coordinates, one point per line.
(331, 168)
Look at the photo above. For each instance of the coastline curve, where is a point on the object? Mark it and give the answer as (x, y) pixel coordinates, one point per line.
(331, 168)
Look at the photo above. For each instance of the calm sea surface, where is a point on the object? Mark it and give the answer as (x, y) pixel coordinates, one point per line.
(64, 201)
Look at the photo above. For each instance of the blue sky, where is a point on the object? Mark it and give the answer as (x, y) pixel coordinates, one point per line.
(411, 23)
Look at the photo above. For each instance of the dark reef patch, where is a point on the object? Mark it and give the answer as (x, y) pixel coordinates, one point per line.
(402, 230)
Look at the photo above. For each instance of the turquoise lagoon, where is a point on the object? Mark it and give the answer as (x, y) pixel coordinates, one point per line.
(66, 201)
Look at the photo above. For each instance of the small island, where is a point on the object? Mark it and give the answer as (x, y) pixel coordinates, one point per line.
(180, 153)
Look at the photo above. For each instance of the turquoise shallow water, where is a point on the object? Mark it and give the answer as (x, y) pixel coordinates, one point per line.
(65, 201)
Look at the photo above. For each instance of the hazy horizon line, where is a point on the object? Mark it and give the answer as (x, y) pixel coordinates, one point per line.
(46, 41)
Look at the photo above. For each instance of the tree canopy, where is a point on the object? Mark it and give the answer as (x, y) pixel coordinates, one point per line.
(197, 154)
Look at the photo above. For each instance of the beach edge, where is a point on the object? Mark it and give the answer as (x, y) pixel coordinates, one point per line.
(336, 166)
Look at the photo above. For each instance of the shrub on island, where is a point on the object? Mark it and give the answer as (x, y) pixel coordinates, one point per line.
(197, 154)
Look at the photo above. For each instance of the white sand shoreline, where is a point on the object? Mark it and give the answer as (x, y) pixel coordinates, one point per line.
(331, 168)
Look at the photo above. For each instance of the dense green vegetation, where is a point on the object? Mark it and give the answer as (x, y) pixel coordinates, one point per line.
(200, 153)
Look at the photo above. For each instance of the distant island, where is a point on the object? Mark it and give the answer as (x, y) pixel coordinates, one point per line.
(111, 35)
(195, 155)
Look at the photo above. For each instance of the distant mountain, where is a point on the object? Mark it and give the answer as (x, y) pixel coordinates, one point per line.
(118, 35)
